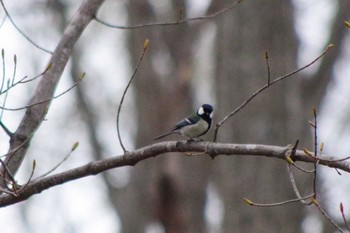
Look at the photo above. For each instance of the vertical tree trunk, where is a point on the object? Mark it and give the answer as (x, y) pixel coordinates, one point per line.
(273, 118)
(165, 190)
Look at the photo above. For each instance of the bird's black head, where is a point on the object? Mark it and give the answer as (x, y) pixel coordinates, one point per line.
(205, 110)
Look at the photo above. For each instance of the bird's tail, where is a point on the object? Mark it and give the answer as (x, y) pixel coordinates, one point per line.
(164, 135)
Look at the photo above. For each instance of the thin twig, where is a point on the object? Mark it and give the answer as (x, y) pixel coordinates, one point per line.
(172, 23)
(25, 80)
(4, 101)
(315, 202)
(22, 81)
(14, 69)
(59, 164)
(29, 179)
(8, 192)
(343, 216)
(7, 131)
(3, 21)
(302, 199)
(290, 152)
(21, 32)
(3, 69)
(145, 46)
(218, 125)
(6, 171)
(49, 99)
(268, 68)
(295, 187)
(299, 167)
(315, 153)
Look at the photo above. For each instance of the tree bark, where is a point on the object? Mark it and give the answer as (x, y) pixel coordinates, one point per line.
(35, 115)
(244, 35)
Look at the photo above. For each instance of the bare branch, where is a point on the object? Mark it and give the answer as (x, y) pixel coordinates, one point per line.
(145, 46)
(59, 164)
(268, 68)
(3, 69)
(290, 153)
(46, 100)
(343, 216)
(3, 21)
(133, 157)
(316, 150)
(7, 131)
(295, 187)
(35, 114)
(218, 125)
(302, 199)
(315, 202)
(21, 32)
(23, 80)
(172, 23)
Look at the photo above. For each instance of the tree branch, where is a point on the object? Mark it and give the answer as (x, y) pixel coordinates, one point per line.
(131, 158)
(171, 23)
(315, 87)
(21, 32)
(34, 115)
(278, 79)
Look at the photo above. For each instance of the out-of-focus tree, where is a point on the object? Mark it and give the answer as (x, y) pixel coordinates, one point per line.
(172, 192)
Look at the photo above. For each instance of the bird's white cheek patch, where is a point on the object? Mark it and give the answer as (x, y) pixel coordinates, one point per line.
(211, 115)
(200, 111)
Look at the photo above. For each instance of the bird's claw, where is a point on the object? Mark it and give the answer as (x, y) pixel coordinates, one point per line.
(194, 140)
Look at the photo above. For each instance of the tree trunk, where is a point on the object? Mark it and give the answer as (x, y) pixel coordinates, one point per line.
(164, 190)
(275, 117)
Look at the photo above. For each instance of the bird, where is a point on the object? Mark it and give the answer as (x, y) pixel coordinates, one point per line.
(194, 125)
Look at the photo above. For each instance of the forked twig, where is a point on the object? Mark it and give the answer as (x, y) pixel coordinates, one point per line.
(145, 46)
(24, 80)
(46, 100)
(172, 23)
(218, 125)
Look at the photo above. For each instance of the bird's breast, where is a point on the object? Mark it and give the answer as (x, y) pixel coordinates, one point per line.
(195, 130)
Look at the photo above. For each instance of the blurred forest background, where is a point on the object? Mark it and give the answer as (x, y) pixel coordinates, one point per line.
(218, 61)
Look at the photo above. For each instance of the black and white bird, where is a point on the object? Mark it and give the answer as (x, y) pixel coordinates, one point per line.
(195, 125)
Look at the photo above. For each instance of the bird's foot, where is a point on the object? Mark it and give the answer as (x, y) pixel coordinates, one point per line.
(195, 140)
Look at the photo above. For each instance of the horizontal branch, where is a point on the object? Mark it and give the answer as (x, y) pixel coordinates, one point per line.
(131, 158)
(171, 23)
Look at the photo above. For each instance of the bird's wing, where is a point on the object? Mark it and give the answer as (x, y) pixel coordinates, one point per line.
(190, 120)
